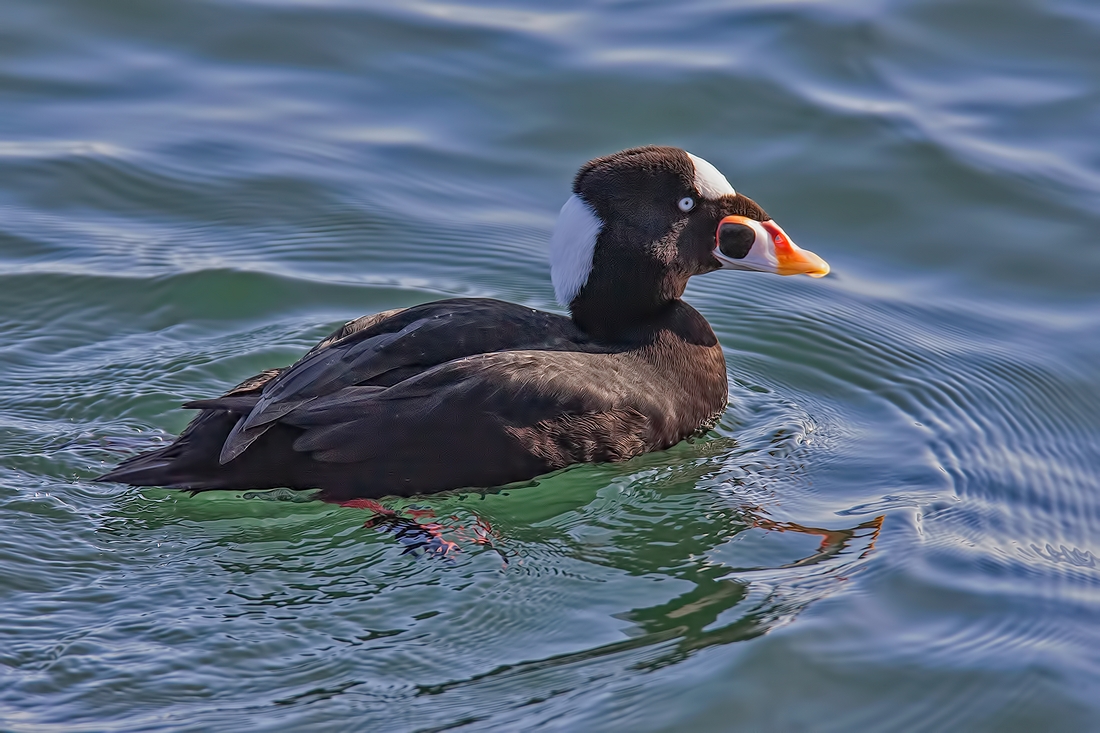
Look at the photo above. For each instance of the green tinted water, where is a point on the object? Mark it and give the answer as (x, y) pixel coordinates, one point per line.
(893, 528)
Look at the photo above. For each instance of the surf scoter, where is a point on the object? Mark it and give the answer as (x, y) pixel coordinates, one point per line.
(473, 392)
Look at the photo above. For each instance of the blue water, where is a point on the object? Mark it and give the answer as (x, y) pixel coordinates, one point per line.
(893, 528)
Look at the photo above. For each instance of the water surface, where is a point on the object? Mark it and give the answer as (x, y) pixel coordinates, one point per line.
(893, 528)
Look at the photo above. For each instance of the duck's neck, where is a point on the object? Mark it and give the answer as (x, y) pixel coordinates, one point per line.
(607, 310)
(678, 345)
(617, 324)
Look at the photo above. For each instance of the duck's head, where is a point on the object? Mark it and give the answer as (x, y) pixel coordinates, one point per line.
(643, 221)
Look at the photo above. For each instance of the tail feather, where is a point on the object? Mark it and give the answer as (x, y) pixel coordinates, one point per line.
(190, 462)
(240, 404)
(146, 469)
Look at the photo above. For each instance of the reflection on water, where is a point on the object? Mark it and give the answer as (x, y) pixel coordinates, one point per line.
(693, 620)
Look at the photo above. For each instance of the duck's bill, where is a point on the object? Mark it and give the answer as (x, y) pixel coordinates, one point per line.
(762, 246)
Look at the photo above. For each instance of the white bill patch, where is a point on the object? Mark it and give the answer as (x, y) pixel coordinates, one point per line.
(760, 257)
(709, 180)
(571, 248)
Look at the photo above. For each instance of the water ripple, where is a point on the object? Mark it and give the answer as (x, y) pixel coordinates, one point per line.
(892, 526)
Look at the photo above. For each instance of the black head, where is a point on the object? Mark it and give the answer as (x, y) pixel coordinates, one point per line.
(642, 221)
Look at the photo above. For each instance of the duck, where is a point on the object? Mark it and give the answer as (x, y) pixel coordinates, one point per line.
(469, 393)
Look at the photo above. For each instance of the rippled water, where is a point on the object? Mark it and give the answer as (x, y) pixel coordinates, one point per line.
(893, 528)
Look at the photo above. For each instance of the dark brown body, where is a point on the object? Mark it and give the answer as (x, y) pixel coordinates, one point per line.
(451, 394)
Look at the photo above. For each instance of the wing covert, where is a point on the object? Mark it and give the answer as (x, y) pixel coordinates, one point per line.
(388, 349)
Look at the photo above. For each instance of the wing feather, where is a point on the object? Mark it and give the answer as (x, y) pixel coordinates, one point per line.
(386, 350)
(532, 402)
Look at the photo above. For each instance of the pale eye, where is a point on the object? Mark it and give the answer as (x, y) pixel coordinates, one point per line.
(687, 203)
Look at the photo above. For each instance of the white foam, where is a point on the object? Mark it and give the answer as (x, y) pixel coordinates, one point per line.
(709, 180)
(571, 248)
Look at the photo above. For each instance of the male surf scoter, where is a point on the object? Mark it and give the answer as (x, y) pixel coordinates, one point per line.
(472, 392)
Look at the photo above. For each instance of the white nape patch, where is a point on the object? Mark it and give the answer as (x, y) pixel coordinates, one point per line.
(709, 180)
(571, 248)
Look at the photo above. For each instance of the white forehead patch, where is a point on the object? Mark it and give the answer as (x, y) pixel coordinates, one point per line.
(709, 180)
(571, 248)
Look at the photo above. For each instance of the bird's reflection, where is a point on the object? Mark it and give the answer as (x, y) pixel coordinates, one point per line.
(693, 618)
(692, 525)
(422, 533)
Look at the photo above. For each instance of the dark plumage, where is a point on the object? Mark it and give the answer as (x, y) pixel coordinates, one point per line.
(477, 392)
